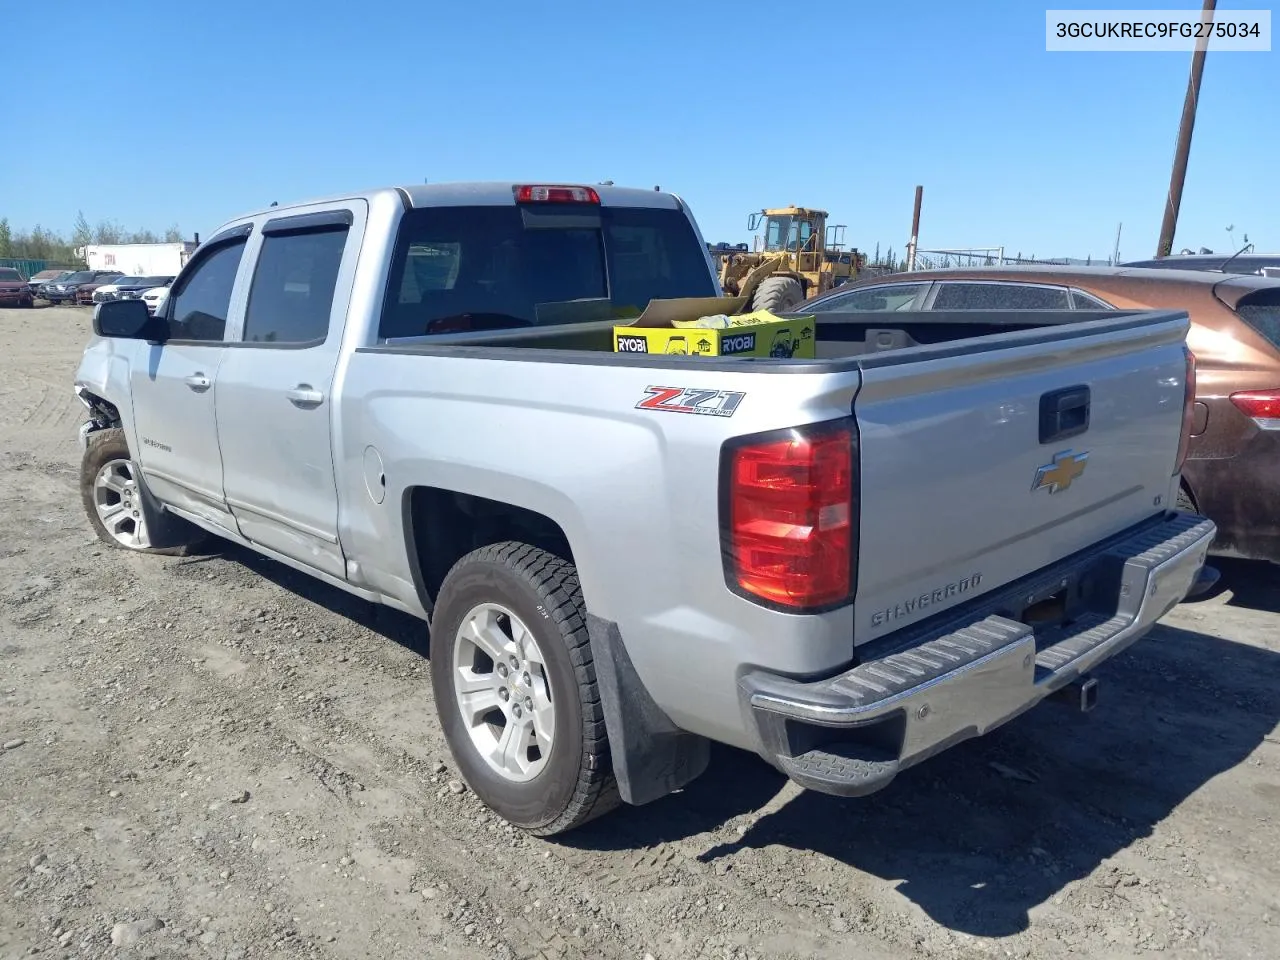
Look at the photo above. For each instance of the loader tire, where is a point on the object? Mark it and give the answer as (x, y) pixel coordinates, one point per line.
(778, 295)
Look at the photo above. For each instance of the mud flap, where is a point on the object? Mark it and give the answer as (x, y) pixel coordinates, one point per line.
(652, 757)
(164, 528)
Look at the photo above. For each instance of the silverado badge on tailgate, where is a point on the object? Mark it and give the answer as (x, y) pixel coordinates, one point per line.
(1061, 472)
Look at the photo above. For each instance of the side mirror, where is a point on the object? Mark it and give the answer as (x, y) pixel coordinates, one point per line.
(753, 220)
(128, 320)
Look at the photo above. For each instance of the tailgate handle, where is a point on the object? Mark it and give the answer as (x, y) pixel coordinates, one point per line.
(1064, 413)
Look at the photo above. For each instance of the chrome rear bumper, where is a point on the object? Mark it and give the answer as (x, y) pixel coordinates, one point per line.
(969, 671)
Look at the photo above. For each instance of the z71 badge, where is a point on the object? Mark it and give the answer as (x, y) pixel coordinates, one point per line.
(711, 403)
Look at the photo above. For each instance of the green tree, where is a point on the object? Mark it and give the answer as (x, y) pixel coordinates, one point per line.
(81, 233)
(40, 244)
(6, 238)
(108, 231)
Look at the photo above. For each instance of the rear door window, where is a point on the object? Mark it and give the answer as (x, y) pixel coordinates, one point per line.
(292, 292)
(878, 299)
(502, 267)
(1000, 296)
(1084, 301)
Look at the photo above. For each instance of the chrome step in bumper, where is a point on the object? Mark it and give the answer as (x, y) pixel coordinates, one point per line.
(968, 671)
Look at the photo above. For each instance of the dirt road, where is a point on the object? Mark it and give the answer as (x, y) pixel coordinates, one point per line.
(217, 757)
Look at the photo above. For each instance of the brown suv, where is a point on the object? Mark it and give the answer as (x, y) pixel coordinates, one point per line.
(1232, 474)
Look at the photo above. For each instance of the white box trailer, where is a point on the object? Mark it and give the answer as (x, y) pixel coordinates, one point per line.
(138, 259)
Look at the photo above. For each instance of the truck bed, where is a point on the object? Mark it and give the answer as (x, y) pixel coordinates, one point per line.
(946, 409)
(839, 336)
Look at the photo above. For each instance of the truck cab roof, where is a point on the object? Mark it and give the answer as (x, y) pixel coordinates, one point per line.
(479, 193)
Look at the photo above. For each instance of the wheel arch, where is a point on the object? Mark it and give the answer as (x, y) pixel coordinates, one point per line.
(102, 385)
(441, 526)
(1185, 489)
(651, 756)
(103, 413)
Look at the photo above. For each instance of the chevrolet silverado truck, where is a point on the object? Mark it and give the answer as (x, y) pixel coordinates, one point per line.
(844, 563)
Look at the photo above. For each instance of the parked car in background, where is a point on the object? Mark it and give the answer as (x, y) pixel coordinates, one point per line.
(45, 276)
(134, 290)
(85, 292)
(14, 291)
(107, 290)
(1232, 474)
(65, 290)
(1255, 263)
(155, 298)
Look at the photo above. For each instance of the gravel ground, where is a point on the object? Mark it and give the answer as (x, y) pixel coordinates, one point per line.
(217, 757)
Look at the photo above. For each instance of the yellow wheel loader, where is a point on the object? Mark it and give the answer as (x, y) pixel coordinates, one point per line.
(795, 256)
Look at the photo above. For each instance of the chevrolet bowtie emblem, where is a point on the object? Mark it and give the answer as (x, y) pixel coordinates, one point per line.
(1060, 474)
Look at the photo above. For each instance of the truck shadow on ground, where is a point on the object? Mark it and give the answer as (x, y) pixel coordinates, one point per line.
(1253, 584)
(409, 632)
(983, 833)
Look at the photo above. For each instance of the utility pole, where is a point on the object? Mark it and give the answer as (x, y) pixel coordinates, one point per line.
(915, 230)
(1115, 254)
(1179, 176)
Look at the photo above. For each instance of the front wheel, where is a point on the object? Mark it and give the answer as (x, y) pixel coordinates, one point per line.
(515, 688)
(112, 499)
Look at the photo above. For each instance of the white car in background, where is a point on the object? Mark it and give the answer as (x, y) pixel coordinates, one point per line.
(155, 298)
(108, 290)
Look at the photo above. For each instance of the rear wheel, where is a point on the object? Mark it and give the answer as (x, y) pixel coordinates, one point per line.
(778, 294)
(515, 688)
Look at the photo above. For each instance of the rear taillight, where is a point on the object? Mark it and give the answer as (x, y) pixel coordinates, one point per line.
(1188, 409)
(1262, 406)
(787, 524)
(533, 193)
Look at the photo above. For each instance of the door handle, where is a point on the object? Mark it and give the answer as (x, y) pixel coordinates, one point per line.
(1064, 413)
(198, 382)
(304, 395)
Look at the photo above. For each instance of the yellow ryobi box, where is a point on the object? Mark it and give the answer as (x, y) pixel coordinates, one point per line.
(671, 327)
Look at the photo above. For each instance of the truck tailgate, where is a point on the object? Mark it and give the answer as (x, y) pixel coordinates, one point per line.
(974, 469)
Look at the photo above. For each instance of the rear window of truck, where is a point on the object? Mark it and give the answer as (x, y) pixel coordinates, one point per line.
(1261, 310)
(500, 267)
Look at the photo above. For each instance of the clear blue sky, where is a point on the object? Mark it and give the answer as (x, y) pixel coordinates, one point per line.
(192, 113)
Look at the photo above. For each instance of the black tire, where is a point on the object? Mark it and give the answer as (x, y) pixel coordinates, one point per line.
(1185, 502)
(778, 294)
(104, 447)
(577, 783)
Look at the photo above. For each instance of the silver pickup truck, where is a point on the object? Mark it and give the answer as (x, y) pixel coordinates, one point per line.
(845, 564)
